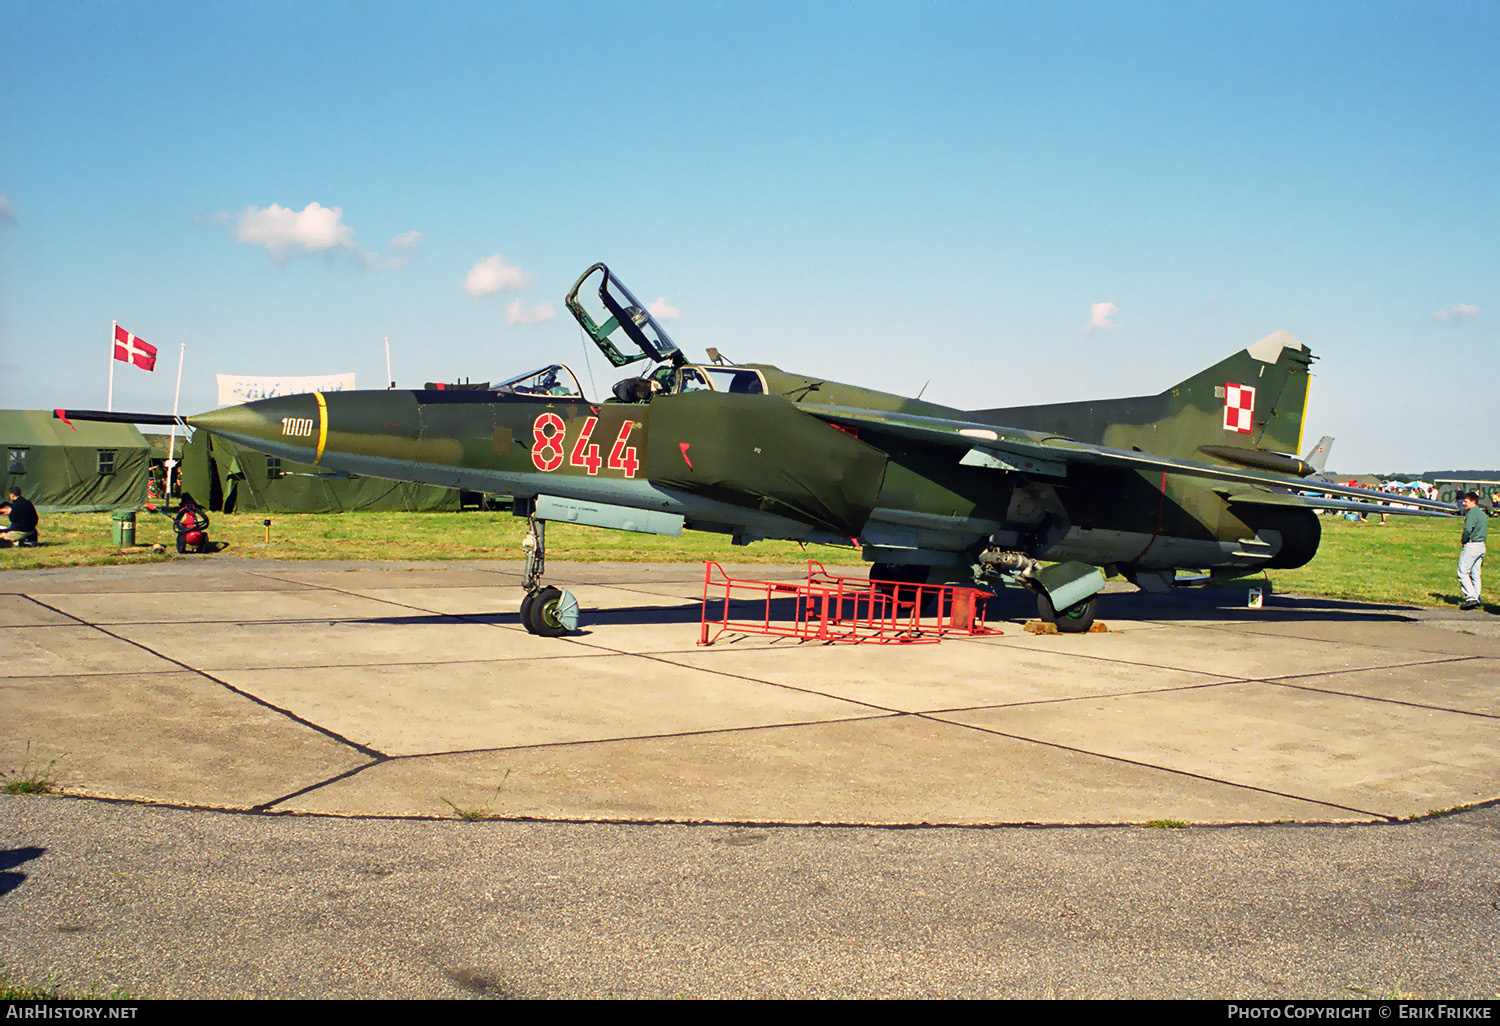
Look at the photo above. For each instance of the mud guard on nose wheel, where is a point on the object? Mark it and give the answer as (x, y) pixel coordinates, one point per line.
(550, 612)
(1076, 619)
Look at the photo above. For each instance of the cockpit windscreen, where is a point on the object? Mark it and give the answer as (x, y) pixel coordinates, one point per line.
(554, 381)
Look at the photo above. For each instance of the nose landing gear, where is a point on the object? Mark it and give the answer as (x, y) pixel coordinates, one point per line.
(547, 612)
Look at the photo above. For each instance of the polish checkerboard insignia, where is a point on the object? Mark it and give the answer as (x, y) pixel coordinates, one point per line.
(1239, 408)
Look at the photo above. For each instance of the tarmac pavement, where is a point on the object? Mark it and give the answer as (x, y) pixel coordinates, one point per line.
(410, 690)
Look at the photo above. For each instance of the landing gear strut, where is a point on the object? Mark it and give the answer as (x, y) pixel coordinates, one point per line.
(545, 611)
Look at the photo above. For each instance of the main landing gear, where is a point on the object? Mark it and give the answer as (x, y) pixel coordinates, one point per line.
(1067, 594)
(545, 611)
(1075, 619)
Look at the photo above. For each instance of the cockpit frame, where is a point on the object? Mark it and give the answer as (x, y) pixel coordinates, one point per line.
(622, 318)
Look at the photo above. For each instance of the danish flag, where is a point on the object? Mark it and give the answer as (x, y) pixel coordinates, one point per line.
(130, 349)
(1239, 408)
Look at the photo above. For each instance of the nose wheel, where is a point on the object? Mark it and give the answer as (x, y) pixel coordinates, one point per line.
(546, 611)
(549, 612)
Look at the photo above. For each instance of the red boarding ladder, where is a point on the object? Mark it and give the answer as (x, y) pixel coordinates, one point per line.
(853, 609)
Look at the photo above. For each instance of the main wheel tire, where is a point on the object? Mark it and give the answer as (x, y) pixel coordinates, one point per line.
(541, 616)
(526, 600)
(1076, 619)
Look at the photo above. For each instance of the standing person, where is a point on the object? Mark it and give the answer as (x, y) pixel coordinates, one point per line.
(1471, 550)
(22, 527)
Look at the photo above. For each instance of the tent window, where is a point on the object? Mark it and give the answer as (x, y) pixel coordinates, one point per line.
(106, 462)
(273, 468)
(17, 461)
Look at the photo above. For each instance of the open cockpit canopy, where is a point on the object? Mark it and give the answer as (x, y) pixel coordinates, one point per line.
(618, 323)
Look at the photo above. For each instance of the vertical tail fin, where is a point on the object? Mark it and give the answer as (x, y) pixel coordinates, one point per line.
(1317, 456)
(1255, 399)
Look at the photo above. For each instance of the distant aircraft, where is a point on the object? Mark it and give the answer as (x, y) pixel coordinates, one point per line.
(1317, 456)
(1052, 498)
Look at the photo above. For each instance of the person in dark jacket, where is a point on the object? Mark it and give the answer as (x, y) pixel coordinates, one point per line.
(22, 529)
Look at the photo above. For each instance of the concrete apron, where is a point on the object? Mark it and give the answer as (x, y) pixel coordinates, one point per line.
(390, 689)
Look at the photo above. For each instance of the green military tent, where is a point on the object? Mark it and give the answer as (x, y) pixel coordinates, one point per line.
(85, 466)
(222, 475)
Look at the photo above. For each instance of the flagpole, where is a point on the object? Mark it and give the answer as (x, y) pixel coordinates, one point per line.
(113, 327)
(172, 446)
(388, 362)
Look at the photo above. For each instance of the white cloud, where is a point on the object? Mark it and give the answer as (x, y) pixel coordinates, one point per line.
(1454, 314)
(1099, 319)
(662, 310)
(493, 274)
(7, 210)
(313, 229)
(515, 313)
(401, 247)
(284, 231)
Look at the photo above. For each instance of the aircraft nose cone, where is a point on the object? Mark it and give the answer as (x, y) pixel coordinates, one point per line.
(284, 425)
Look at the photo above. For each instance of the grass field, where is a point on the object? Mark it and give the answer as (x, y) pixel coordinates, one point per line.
(84, 539)
(1409, 561)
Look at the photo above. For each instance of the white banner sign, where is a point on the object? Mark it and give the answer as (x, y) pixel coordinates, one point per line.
(234, 388)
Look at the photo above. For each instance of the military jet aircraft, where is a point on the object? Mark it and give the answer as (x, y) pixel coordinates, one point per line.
(1053, 498)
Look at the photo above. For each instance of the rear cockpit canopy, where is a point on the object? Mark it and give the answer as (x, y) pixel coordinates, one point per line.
(626, 333)
(618, 323)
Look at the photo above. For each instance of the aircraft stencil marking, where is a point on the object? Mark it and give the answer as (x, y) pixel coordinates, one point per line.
(1239, 408)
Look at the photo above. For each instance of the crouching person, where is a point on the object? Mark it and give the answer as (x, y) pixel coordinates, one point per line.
(22, 528)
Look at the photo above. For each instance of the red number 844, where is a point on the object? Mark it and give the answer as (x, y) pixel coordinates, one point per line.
(548, 445)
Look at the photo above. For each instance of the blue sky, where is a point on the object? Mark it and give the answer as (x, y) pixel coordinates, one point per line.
(1018, 202)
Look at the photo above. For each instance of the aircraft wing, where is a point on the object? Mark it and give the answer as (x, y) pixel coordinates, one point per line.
(1396, 504)
(1040, 454)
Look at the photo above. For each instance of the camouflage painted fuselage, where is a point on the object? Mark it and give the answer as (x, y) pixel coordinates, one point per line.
(822, 461)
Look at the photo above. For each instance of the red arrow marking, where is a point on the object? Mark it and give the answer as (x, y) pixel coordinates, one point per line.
(684, 447)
